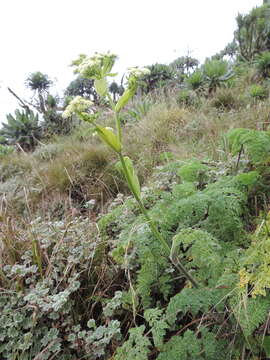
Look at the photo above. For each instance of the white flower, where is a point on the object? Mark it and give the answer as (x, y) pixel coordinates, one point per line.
(138, 72)
(90, 204)
(96, 66)
(78, 105)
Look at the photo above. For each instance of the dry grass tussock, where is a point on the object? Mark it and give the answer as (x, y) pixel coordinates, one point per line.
(65, 174)
(189, 131)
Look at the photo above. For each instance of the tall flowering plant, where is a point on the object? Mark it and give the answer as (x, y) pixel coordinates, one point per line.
(99, 67)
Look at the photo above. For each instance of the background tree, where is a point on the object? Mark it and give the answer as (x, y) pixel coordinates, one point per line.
(40, 84)
(47, 105)
(252, 35)
(82, 87)
(116, 90)
(230, 51)
(262, 63)
(160, 75)
(184, 65)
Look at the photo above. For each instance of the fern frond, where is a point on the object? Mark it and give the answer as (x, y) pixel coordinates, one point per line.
(256, 143)
(136, 347)
(189, 346)
(194, 171)
(201, 250)
(158, 325)
(250, 313)
(255, 270)
(194, 301)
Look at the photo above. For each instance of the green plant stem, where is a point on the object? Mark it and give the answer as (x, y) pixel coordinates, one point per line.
(36, 255)
(116, 117)
(153, 227)
(118, 127)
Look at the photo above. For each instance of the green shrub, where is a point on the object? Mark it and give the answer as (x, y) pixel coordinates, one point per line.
(216, 73)
(187, 98)
(263, 64)
(226, 99)
(255, 143)
(23, 129)
(47, 152)
(196, 80)
(258, 92)
(6, 150)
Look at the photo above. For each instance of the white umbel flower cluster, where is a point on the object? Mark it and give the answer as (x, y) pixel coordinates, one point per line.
(77, 106)
(138, 72)
(97, 66)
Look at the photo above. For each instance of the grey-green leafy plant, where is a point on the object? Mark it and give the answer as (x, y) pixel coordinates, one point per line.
(99, 67)
(216, 72)
(195, 81)
(262, 63)
(6, 150)
(138, 111)
(22, 129)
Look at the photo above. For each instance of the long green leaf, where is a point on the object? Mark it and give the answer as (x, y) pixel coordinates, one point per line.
(124, 99)
(133, 176)
(109, 138)
(101, 87)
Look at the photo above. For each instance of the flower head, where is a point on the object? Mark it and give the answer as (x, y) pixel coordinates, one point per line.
(78, 105)
(95, 67)
(135, 74)
(138, 72)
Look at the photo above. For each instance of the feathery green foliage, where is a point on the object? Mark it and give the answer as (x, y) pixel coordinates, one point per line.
(158, 325)
(255, 143)
(136, 347)
(194, 301)
(189, 346)
(250, 313)
(254, 266)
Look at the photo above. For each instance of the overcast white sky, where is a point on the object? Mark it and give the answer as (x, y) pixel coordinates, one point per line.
(38, 35)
